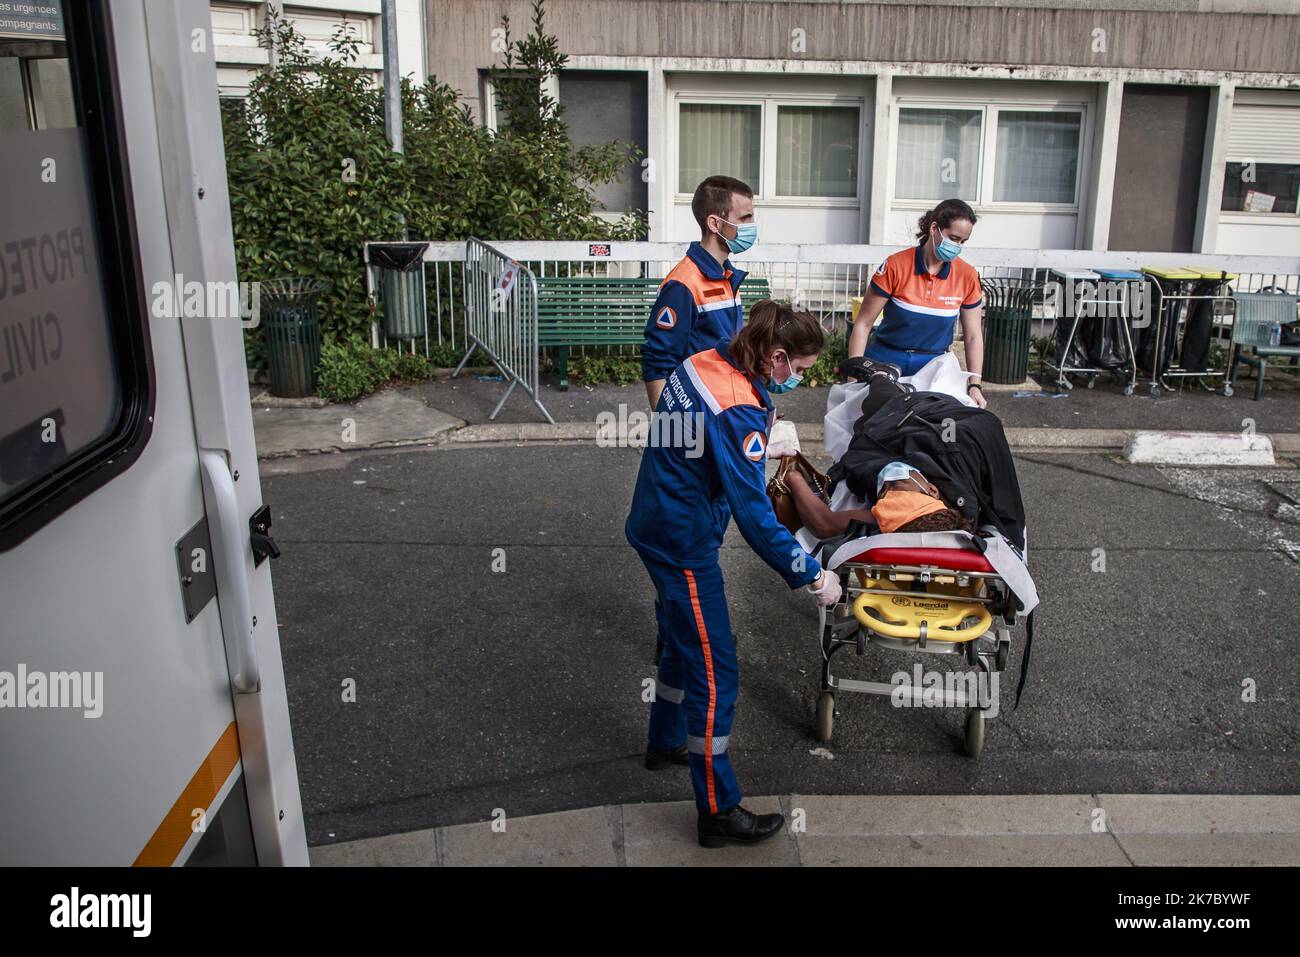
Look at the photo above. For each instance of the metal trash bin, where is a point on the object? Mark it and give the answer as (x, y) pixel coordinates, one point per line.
(1008, 313)
(292, 325)
(401, 284)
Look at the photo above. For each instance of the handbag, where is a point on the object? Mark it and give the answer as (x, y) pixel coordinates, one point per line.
(782, 499)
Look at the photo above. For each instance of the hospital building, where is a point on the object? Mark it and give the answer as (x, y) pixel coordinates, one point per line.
(1157, 125)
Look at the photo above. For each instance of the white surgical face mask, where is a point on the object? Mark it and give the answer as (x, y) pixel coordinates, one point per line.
(898, 472)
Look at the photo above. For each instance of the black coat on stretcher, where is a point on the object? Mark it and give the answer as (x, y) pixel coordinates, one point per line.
(961, 449)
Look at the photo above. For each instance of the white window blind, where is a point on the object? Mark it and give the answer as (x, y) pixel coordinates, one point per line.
(1264, 134)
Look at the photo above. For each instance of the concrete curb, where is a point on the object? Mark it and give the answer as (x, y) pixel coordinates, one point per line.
(1199, 448)
(1123, 830)
(1044, 439)
(390, 419)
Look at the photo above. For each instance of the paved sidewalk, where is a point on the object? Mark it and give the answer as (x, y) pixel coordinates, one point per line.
(1102, 407)
(397, 417)
(389, 418)
(1113, 830)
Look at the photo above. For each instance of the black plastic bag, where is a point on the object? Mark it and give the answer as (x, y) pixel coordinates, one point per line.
(400, 257)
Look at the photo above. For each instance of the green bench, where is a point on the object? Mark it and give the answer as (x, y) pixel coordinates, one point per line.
(600, 311)
(1256, 313)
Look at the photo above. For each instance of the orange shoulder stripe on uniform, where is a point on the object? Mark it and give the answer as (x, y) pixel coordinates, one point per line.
(722, 381)
(703, 290)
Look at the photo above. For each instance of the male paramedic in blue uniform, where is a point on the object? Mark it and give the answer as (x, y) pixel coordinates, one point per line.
(698, 304)
(699, 300)
(686, 492)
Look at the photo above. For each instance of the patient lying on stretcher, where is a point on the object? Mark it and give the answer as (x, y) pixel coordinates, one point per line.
(899, 507)
(917, 462)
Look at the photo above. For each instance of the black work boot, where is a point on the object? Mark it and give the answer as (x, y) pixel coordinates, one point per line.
(657, 758)
(736, 826)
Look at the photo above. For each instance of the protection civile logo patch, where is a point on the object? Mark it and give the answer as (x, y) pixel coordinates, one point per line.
(754, 445)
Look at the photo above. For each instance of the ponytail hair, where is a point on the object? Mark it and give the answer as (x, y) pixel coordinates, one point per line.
(944, 214)
(771, 326)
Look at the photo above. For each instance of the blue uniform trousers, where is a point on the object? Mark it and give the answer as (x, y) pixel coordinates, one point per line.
(695, 692)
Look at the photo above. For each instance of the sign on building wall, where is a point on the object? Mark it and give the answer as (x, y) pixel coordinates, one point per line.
(31, 19)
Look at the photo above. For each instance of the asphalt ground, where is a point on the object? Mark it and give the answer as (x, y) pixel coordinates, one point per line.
(522, 689)
(1105, 406)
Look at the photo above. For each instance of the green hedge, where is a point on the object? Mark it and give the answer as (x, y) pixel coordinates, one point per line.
(312, 176)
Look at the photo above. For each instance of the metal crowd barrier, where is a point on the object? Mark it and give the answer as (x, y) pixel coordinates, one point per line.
(501, 319)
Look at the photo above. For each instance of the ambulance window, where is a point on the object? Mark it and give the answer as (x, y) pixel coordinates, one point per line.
(75, 379)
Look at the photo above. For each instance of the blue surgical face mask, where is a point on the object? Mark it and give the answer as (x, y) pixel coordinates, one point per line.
(946, 249)
(746, 236)
(792, 380)
(897, 472)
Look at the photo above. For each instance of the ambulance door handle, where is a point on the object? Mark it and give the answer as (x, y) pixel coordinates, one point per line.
(229, 544)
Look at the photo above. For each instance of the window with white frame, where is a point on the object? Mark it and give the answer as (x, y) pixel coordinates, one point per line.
(817, 151)
(1263, 165)
(783, 148)
(989, 154)
(1037, 156)
(938, 153)
(717, 139)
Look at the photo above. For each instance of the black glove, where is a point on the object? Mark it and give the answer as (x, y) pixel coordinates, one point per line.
(855, 367)
(862, 369)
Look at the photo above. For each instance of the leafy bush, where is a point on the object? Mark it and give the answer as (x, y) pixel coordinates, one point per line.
(346, 370)
(312, 176)
(833, 353)
(351, 368)
(591, 370)
(443, 356)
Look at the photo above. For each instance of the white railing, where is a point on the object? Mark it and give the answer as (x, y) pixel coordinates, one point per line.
(820, 278)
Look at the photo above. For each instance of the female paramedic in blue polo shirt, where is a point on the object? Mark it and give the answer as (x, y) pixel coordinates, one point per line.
(922, 290)
(719, 403)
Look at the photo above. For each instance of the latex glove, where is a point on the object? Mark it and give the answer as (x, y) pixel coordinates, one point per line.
(784, 440)
(830, 590)
(779, 448)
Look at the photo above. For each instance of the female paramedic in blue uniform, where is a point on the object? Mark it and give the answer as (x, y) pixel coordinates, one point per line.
(686, 492)
(922, 290)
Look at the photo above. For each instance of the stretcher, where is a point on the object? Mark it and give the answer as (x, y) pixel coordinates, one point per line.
(941, 593)
(945, 593)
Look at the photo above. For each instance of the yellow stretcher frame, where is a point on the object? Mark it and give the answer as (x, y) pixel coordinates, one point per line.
(935, 617)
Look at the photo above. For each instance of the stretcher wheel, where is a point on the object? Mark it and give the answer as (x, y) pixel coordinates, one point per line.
(1092, 381)
(825, 715)
(1155, 390)
(974, 742)
(1128, 390)
(1004, 650)
(1227, 389)
(972, 652)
